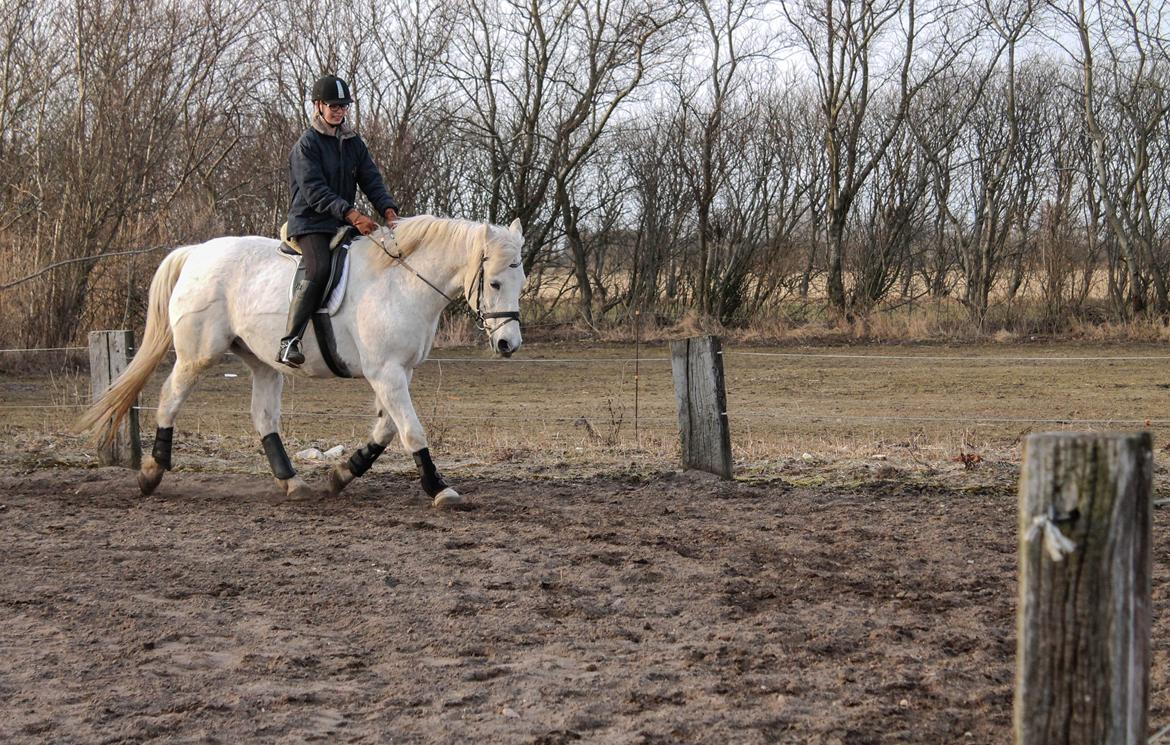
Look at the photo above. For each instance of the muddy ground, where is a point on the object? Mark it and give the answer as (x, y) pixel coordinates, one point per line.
(641, 608)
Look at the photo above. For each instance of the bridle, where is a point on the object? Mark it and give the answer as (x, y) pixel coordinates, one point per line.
(478, 317)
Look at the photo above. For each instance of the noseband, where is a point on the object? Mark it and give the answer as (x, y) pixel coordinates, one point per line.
(482, 318)
(479, 318)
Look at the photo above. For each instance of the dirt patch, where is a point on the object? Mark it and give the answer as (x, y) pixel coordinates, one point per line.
(858, 586)
(664, 608)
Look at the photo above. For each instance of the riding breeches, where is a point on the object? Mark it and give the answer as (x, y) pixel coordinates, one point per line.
(315, 256)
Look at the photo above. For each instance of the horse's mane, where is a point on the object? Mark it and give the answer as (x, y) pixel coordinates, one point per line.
(412, 232)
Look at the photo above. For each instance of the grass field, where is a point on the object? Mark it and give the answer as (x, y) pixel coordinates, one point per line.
(593, 408)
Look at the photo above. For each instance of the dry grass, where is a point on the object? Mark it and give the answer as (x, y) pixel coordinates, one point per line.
(942, 322)
(796, 417)
(810, 320)
(455, 331)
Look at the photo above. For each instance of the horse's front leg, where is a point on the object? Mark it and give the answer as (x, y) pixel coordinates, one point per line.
(363, 457)
(392, 387)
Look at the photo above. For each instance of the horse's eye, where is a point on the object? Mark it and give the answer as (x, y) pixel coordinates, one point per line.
(495, 285)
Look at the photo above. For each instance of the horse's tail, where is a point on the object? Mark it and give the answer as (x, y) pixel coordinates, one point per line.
(102, 419)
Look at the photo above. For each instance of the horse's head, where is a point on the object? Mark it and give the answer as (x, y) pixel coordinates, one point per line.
(494, 292)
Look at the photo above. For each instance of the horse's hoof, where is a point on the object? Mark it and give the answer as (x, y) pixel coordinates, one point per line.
(447, 498)
(339, 478)
(296, 488)
(150, 476)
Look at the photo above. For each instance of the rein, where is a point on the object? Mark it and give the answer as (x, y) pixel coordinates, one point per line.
(479, 318)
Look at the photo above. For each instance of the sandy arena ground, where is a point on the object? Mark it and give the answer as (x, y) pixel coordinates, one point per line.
(590, 592)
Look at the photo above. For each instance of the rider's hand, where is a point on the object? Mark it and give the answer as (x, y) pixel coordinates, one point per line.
(364, 225)
(391, 216)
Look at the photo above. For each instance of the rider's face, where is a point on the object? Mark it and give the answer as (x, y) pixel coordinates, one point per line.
(332, 113)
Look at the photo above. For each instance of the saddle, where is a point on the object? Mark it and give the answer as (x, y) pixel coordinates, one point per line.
(334, 291)
(338, 266)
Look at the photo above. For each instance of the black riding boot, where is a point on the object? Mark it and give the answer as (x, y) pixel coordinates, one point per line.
(305, 301)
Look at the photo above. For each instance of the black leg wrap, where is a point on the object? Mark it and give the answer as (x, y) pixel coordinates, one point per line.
(277, 459)
(362, 459)
(161, 452)
(432, 482)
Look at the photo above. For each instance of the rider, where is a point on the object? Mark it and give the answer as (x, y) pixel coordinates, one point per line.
(326, 166)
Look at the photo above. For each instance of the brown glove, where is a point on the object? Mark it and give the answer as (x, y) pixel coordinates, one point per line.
(364, 225)
(391, 216)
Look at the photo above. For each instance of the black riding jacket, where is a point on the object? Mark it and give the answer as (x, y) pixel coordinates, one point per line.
(324, 173)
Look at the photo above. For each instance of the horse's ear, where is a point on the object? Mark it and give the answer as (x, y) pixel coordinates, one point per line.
(515, 226)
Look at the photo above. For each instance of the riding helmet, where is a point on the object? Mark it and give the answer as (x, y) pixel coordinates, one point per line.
(331, 89)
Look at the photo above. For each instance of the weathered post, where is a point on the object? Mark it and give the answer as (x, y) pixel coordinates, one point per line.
(697, 367)
(109, 353)
(1082, 661)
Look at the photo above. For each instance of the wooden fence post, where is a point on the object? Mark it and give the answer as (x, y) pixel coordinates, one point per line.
(697, 367)
(109, 353)
(1082, 660)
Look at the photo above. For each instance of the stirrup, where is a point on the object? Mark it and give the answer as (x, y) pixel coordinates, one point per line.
(290, 353)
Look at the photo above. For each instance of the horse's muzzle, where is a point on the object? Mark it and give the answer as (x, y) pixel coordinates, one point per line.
(504, 348)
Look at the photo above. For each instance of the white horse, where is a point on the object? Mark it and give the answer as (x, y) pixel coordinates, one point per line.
(232, 294)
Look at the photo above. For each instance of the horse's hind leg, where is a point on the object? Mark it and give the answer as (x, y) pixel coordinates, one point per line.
(174, 392)
(267, 385)
(364, 457)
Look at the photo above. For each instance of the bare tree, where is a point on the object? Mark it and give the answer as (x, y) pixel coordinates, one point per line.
(122, 125)
(407, 108)
(661, 156)
(892, 215)
(661, 199)
(997, 136)
(713, 103)
(1066, 259)
(1121, 43)
(543, 80)
(845, 43)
